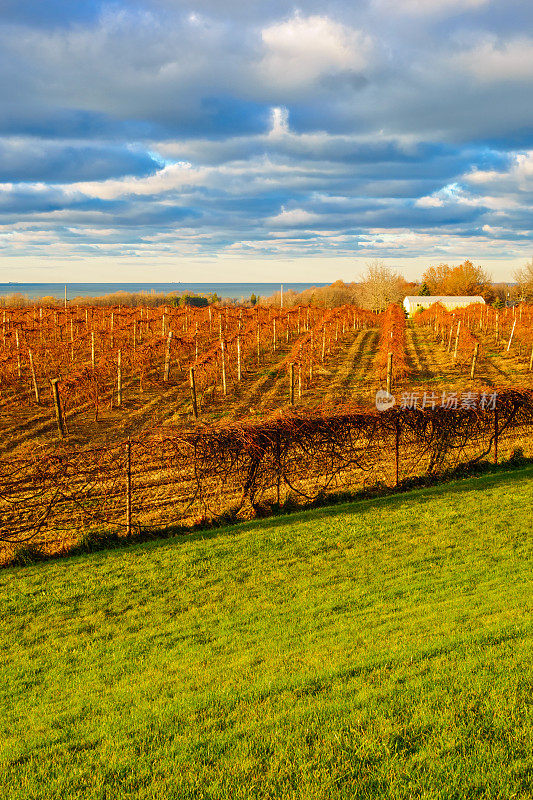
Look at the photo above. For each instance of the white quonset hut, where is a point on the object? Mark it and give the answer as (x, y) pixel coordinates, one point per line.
(412, 302)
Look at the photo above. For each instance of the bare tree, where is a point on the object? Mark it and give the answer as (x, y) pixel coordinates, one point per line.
(380, 286)
(524, 279)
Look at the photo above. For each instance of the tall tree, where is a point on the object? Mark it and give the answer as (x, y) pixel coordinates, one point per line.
(436, 278)
(380, 286)
(465, 279)
(469, 280)
(524, 279)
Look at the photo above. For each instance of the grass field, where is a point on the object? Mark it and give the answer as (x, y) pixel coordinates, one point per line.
(380, 649)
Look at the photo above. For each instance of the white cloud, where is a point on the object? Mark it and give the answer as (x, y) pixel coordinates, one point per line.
(429, 7)
(518, 178)
(296, 216)
(280, 122)
(492, 61)
(301, 50)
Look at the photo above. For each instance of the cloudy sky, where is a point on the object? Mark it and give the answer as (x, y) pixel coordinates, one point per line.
(224, 140)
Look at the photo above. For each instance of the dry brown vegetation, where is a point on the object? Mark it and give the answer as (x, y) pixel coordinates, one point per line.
(244, 362)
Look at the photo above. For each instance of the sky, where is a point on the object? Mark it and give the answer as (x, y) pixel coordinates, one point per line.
(230, 141)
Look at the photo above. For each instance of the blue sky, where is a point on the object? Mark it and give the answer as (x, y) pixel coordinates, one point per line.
(162, 140)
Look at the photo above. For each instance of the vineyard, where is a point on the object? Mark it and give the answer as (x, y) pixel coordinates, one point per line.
(136, 417)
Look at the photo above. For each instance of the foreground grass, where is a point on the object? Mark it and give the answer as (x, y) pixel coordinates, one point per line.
(380, 649)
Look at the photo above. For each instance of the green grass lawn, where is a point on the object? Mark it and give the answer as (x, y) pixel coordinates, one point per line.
(379, 649)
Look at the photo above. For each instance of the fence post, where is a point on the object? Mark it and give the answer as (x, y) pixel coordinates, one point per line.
(119, 378)
(291, 384)
(531, 360)
(451, 335)
(511, 336)
(239, 366)
(397, 451)
(474, 361)
(278, 468)
(457, 340)
(389, 373)
(33, 378)
(128, 492)
(496, 433)
(167, 357)
(57, 406)
(18, 353)
(193, 392)
(223, 351)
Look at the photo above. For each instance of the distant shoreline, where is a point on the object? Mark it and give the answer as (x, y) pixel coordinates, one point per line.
(223, 290)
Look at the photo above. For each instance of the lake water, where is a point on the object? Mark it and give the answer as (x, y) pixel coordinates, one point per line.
(224, 290)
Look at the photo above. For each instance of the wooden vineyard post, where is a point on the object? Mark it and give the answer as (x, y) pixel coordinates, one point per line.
(167, 357)
(397, 451)
(497, 325)
(496, 433)
(223, 353)
(239, 365)
(92, 349)
(192, 380)
(274, 342)
(134, 335)
(119, 378)
(18, 353)
(457, 340)
(128, 487)
(451, 334)
(299, 380)
(57, 406)
(33, 378)
(323, 343)
(511, 336)
(278, 468)
(531, 360)
(389, 373)
(474, 361)
(291, 384)
(112, 326)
